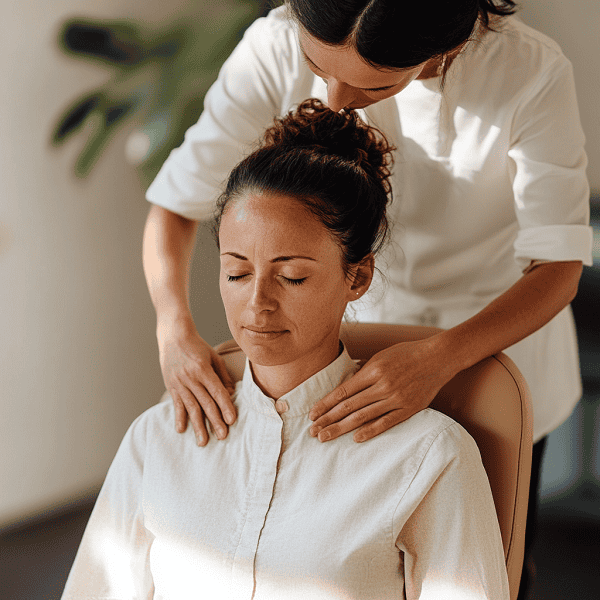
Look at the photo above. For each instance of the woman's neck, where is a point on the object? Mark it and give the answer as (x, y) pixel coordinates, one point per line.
(277, 380)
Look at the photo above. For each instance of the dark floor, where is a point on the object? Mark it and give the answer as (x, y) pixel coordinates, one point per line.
(567, 556)
(35, 561)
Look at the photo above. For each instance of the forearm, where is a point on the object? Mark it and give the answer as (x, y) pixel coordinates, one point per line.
(523, 309)
(167, 253)
(399, 381)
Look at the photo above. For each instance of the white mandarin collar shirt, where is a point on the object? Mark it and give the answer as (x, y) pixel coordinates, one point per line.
(271, 513)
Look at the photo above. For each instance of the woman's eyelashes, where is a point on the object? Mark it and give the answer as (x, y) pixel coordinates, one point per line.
(295, 281)
(372, 93)
(287, 280)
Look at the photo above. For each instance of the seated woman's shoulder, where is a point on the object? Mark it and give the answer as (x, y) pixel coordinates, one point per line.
(431, 429)
(429, 421)
(157, 420)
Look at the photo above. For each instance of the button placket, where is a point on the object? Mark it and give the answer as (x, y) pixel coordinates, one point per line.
(281, 406)
(258, 501)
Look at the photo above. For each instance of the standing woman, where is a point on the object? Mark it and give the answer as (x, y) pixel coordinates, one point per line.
(491, 202)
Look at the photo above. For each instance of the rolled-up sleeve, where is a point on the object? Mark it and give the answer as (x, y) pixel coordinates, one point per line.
(247, 95)
(548, 168)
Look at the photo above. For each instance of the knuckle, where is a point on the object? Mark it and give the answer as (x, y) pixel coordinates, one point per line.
(194, 410)
(203, 366)
(377, 371)
(358, 418)
(223, 400)
(386, 386)
(387, 421)
(190, 374)
(172, 386)
(340, 394)
(214, 414)
(346, 405)
(392, 418)
(322, 422)
(211, 412)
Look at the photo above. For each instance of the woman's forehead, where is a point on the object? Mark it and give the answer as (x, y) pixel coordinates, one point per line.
(346, 65)
(275, 222)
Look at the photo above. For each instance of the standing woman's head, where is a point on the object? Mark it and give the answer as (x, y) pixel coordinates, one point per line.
(396, 39)
(298, 226)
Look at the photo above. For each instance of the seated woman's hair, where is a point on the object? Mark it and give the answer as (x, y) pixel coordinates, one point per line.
(334, 164)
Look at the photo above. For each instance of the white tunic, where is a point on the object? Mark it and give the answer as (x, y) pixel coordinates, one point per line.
(272, 513)
(488, 176)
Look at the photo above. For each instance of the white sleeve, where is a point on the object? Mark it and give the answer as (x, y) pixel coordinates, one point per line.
(549, 180)
(112, 562)
(254, 85)
(450, 545)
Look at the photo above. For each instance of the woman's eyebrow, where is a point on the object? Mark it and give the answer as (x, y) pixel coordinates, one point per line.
(274, 260)
(378, 89)
(286, 258)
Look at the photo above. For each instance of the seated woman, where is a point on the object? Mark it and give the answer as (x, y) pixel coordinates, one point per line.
(270, 512)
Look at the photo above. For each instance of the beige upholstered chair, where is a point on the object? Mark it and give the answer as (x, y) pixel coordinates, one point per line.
(490, 400)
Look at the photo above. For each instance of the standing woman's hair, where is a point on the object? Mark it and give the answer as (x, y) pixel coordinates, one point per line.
(332, 163)
(396, 33)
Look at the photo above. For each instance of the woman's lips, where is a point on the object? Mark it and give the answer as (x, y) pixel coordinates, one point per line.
(265, 334)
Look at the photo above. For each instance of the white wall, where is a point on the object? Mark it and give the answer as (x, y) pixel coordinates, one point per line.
(576, 27)
(78, 358)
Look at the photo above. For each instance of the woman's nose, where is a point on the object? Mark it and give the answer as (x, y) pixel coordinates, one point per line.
(263, 297)
(339, 95)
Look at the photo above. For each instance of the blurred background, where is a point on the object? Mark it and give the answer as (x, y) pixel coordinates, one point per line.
(94, 95)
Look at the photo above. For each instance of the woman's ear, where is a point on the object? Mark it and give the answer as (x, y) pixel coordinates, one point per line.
(361, 277)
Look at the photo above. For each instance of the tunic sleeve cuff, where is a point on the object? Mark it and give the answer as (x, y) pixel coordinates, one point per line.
(182, 193)
(554, 243)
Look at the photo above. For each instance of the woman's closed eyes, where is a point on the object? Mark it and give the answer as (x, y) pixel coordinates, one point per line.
(288, 280)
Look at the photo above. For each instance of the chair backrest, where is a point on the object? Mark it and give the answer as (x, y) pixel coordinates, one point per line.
(490, 400)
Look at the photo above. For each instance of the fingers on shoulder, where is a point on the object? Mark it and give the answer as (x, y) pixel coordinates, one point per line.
(381, 424)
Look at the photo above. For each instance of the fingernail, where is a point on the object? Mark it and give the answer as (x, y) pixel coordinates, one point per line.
(221, 433)
(229, 418)
(324, 436)
(360, 438)
(312, 416)
(201, 441)
(314, 430)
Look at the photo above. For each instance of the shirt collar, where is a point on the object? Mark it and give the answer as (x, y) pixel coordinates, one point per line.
(302, 398)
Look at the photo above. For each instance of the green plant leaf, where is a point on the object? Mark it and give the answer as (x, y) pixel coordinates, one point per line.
(115, 42)
(159, 76)
(74, 117)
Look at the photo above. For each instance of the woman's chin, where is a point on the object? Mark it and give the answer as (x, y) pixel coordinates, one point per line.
(268, 350)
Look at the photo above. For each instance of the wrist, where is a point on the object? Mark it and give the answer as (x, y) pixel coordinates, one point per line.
(449, 352)
(174, 324)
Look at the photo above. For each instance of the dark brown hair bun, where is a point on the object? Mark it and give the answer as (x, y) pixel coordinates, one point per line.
(313, 125)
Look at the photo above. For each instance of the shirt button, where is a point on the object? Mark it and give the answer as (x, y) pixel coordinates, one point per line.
(281, 406)
(429, 317)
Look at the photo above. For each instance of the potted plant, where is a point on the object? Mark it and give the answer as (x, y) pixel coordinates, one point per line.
(159, 79)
